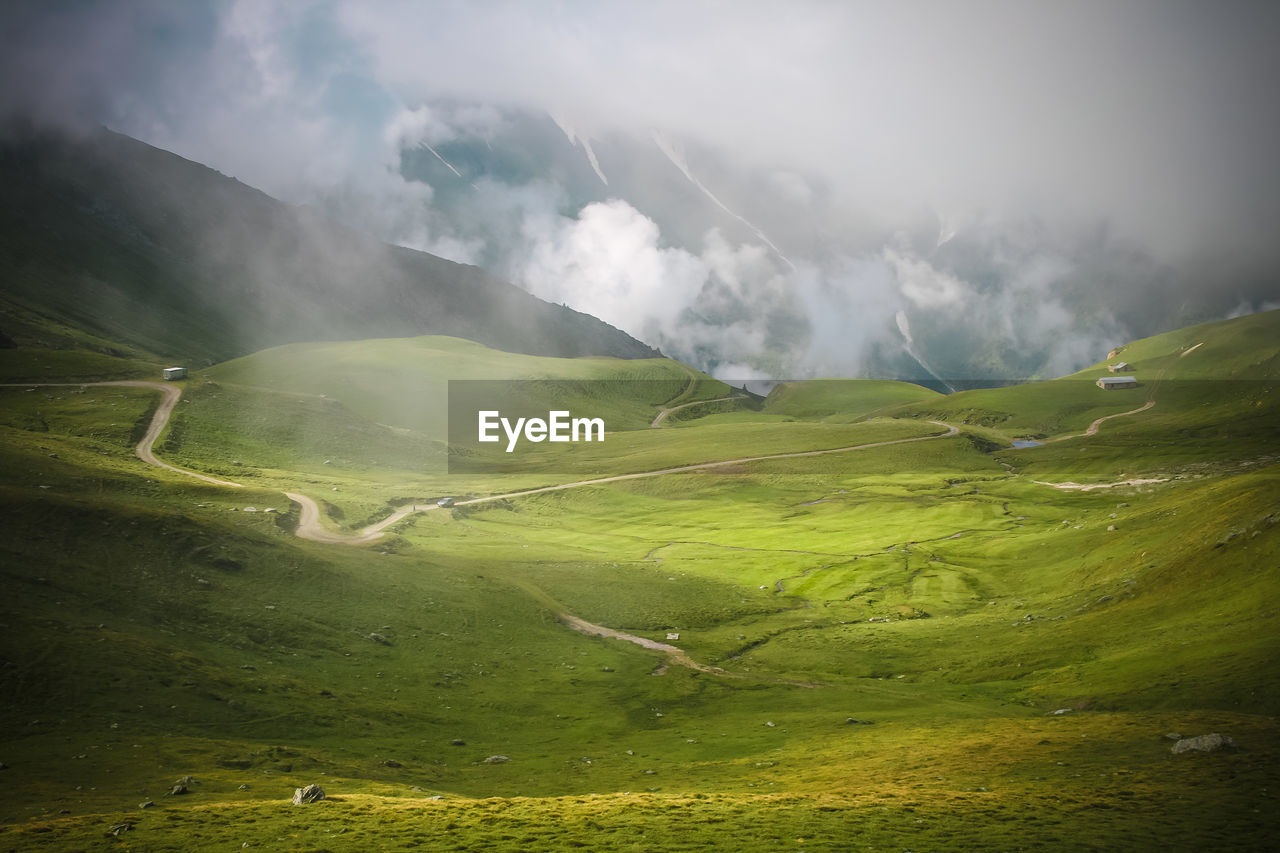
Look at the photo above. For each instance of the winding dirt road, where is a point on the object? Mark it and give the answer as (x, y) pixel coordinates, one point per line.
(310, 525)
(703, 466)
(144, 451)
(1092, 429)
(662, 415)
(676, 655)
(170, 395)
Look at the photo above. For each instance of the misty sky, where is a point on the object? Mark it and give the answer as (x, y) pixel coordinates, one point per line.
(1154, 123)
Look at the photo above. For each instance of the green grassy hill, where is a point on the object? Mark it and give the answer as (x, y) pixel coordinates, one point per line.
(932, 645)
(842, 398)
(1206, 372)
(404, 381)
(138, 250)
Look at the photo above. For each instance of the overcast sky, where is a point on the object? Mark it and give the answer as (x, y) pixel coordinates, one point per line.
(1159, 118)
(1161, 114)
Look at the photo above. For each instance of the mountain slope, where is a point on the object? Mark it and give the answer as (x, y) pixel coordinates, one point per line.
(126, 242)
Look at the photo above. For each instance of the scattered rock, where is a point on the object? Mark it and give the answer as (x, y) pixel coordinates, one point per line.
(1204, 743)
(391, 762)
(496, 759)
(1059, 712)
(120, 828)
(1172, 736)
(309, 794)
(379, 639)
(242, 787)
(853, 722)
(1110, 527)
(147, 804)
(250, 509)
(185, 780)
(457, 742)
(178, 790)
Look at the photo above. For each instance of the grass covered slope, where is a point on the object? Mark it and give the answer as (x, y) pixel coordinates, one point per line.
(135, 245)
(1201, 373)
(923, 646)
(842, 398)
(404, 381)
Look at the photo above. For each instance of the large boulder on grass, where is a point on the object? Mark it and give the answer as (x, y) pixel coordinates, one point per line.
(309, 794)
(1204, 743)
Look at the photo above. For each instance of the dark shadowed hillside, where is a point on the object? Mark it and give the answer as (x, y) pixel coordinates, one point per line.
(138, 246)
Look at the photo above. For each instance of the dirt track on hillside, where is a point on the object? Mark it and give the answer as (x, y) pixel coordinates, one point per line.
(662, 415)
(144, 450)
(310, 525)
(674, 654)
(310, 528)
(1092, 429)
(704, 466)
(170, 395)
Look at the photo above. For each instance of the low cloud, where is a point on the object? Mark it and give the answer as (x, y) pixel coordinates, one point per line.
(1024, 184)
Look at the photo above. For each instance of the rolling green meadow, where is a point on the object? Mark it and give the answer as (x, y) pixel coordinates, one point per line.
(923, 641)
